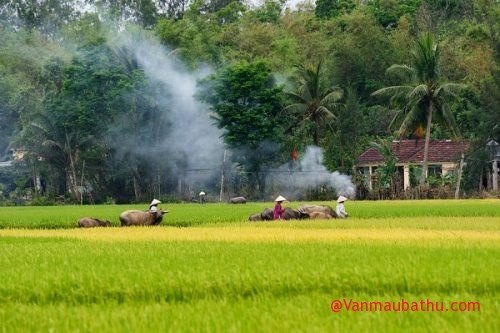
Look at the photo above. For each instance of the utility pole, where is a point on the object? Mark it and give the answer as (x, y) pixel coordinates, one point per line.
(495, 175)
(222, 176)
(493, 148)
(459, 178)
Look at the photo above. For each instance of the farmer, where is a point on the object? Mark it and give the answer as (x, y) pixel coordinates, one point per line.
(278, 210)
(340, 209)
(153, 207)
(202, 197)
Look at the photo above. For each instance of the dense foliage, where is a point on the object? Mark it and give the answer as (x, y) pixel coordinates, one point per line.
(87, 115)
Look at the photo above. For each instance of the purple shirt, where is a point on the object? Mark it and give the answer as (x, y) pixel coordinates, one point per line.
(278, 210)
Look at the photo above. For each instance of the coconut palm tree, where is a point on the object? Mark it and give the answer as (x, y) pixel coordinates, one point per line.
(424, 96)
(314, 99)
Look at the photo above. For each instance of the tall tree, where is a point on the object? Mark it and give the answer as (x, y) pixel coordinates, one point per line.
(423, 95)
(314, 99)
(80, 101)
(246, 102)
(46, 15)
(333, 8)
(388, 12)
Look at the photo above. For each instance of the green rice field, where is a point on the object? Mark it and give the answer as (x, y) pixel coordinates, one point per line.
(415, 266)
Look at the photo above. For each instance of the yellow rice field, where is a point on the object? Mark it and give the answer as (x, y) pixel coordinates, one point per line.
(278, 232)
(208, 269)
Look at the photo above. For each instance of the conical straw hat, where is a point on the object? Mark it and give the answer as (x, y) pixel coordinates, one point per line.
(280, 198)
(155, 202)
(341, 199)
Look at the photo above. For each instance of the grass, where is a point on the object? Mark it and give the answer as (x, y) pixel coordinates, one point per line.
(214, 213)
(226, 274)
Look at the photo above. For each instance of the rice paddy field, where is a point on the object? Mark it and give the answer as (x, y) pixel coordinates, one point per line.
(392, 266)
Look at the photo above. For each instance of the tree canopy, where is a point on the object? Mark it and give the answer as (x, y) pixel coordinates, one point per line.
(91, 114)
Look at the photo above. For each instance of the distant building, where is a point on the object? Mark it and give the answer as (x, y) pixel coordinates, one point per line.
(443, 158)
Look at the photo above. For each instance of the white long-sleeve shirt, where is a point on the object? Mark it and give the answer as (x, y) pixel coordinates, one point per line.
(340, 210)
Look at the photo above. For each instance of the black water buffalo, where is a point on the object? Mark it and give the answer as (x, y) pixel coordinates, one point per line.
(288, 214)
(238, 200)
(293, 214)
(90, 222)
(265, 215)
(255, 217)
(139, 217)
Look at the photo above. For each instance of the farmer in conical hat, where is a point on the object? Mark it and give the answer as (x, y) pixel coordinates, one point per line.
(340, 209)
(278, 209)
(202, 197)
(153, 207)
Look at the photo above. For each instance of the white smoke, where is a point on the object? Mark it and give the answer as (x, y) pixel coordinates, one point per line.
(309, 172)
(193, 136)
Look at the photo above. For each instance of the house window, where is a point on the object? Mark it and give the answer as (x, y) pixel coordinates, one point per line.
(434, 170)
(451, 172)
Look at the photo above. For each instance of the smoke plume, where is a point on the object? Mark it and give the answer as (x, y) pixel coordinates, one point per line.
(192, 144)
(308, 173)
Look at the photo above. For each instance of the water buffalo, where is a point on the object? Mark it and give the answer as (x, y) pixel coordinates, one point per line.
(324, 209)
(267, 214)
(139, 217)
(288, 214)
(294, 214)
(255, 217)
(238, 200)
(319, 215)
(90, 222)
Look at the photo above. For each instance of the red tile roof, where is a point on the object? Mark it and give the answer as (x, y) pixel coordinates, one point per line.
(412, 151)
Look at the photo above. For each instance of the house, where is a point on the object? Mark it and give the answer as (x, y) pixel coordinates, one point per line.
(443, 158)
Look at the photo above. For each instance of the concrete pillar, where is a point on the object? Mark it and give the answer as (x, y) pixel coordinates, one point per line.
(370, 185)
(495, 175)
(406, 176)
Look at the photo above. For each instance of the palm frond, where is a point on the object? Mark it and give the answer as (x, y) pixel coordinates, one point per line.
(304, 91)
(52, 143)
(332, 97)
(418, 92)
(392, 90)
(449, 119)
(325, 112)
(426, 58)
(449, 89)
(296, 97)
(398, 116)
(296, 108)
(405, 70)
(38, 126)
(409, 120)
